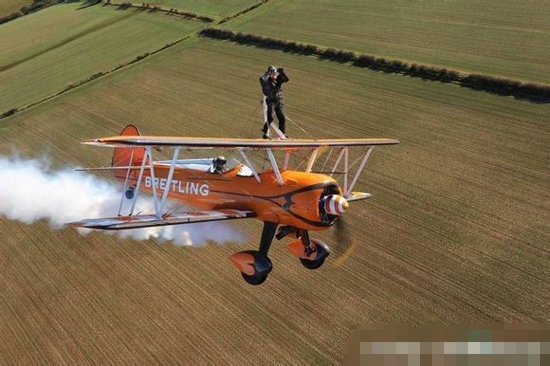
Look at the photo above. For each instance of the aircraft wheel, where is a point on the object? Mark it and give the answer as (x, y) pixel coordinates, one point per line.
(254, 280)
(253, 265)
(322, 252)
(312, 264)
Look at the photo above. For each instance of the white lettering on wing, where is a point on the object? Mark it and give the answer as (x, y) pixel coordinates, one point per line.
(175, 185)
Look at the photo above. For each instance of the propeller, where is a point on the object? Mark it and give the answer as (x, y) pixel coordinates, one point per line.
(345, 243)
(334, 206)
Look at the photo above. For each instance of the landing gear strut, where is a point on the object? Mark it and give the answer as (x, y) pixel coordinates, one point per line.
(312, 252)
(255, 265)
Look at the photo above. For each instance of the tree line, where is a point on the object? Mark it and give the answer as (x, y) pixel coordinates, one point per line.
(27, 9)
(539, 93)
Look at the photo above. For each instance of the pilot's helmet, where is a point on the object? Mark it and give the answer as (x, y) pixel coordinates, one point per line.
(220, 160)
(271, 70)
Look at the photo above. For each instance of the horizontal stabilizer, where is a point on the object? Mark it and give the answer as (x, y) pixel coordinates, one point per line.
(141, 221)
(357, 196)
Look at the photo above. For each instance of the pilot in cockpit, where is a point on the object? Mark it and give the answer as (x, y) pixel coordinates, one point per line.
(218, 164)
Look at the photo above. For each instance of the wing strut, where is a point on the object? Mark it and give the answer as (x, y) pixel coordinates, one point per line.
(287, 158)
(125, 183)
(140, 177)
(247, 161)
(273, 162)
(153, 182)
(344, 153)
(311, 160)
(359, 170)
(168, 183)
(337, 161)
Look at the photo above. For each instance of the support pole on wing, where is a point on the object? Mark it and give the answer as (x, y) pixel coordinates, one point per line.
(279, 133)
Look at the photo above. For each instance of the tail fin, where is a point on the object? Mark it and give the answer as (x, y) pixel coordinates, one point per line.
(127, 156)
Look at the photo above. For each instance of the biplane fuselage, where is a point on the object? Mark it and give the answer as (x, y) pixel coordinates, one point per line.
(295, 203)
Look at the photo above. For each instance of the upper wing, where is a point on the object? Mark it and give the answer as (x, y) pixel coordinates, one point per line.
(141, 221)
(206, 143)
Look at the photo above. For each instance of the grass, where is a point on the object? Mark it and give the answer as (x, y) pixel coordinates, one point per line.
(507, 39)
(90, 40)
(456, 232)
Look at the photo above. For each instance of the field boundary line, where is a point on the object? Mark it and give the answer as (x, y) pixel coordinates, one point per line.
(181, 12)
(158, 8)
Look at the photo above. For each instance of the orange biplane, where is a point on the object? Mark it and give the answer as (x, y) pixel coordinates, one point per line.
(290, 202)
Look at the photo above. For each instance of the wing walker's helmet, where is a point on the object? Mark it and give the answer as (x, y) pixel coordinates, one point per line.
(271, 70)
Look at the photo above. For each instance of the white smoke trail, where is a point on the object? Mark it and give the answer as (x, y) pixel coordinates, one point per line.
(30, 191)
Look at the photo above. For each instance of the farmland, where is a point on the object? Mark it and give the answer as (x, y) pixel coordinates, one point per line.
(506, 39)
(87, 41)
(457, 229)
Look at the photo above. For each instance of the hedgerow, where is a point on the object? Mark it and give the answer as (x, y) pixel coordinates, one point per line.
(530, 91)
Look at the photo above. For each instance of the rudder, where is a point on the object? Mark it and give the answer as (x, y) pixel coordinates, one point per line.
(127, 156)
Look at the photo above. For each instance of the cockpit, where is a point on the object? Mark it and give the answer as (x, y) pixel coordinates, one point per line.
(217, 165)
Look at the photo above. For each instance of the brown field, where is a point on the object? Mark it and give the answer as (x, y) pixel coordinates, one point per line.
(457, 230)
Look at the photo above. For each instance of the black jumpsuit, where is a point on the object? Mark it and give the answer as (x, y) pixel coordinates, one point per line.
(273, 99)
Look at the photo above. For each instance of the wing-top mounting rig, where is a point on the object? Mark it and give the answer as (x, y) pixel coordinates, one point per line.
(294, 201)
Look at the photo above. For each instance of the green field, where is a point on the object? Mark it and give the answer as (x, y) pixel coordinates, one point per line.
(63, 45)
(507, 38)
(456, 232)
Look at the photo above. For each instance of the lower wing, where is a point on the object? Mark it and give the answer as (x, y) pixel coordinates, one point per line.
(141, 221)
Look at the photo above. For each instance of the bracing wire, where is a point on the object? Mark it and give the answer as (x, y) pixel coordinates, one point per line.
(302, 129)
(252, 115)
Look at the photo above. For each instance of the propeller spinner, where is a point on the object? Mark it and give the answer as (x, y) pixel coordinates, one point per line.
(335, 204)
